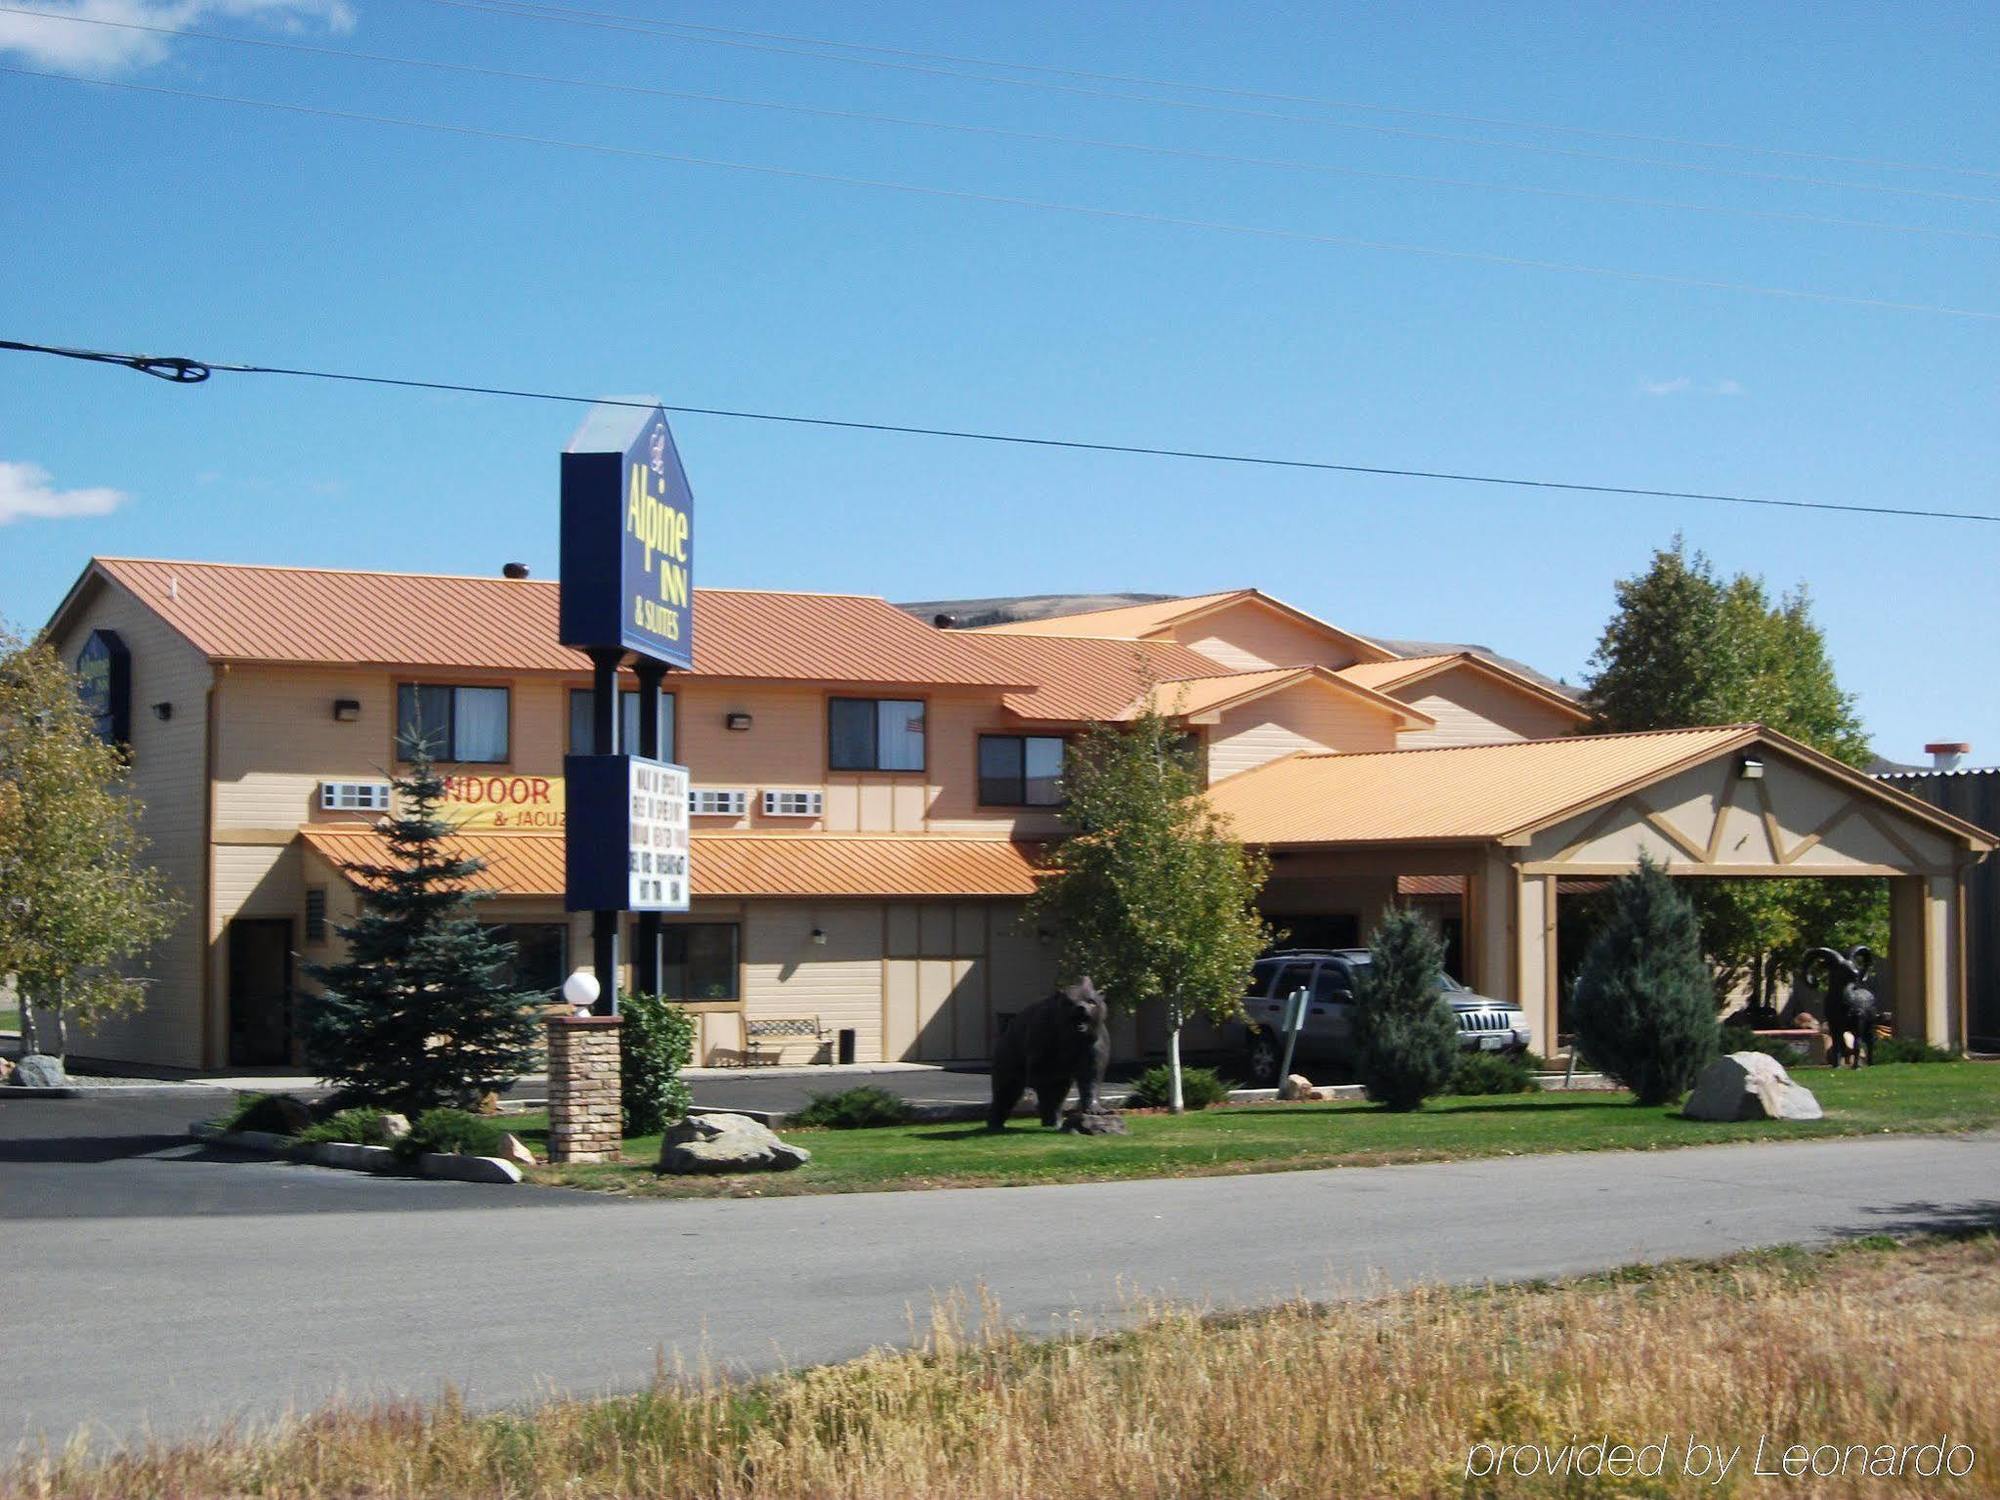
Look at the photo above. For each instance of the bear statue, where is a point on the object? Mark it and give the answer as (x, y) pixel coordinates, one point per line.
(1060, 1040)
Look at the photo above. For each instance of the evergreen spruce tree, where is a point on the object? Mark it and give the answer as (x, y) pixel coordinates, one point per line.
(418, 1014)
(1645, 1000)
(1405, 1035)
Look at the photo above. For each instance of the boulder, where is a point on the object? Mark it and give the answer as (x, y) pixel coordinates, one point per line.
(489, 1104)
(1096, 1122)
(293, 1112)
(395, 1126)
(6, 1068)
(725, 1143)
(40, 1071)
(511, 1149)
(1297, 1086)
(1749, 1086)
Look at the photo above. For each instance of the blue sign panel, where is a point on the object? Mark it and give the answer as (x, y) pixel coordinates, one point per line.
(627, 538)
(633, 814)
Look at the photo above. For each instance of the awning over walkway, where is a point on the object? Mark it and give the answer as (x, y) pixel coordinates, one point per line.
(743, 865)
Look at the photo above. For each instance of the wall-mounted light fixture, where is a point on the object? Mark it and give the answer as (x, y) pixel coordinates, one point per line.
(346, 710)
(1750, 768)
(819, 936)
(163, 711)
(736, 721)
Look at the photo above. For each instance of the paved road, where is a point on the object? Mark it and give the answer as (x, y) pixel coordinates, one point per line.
(178, 1318)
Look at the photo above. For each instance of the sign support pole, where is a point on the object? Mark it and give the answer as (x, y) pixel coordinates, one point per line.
(604, 741)
(647, 966)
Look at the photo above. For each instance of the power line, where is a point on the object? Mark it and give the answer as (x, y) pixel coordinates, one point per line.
(1004, 133)
(966, 195)
(520, 10)
(193, 371)
(1318, 101)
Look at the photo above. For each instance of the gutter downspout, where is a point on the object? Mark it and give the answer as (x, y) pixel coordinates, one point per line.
(206, 944)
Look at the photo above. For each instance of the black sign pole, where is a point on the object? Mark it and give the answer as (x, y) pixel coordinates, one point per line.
(604, 741)
(646, 961)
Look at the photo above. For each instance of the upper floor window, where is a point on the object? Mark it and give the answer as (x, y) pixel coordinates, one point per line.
(1020, 770)
(580, 741)
(875, 734)
(463, 724)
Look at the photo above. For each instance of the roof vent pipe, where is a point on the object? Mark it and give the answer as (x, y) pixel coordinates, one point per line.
(1946, 754)
(944, 622)
(514, 570)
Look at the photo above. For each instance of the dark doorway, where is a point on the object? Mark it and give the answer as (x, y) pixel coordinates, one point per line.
(1317, 929)
(260, 992)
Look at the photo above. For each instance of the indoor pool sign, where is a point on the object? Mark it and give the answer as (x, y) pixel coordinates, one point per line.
(627, 537)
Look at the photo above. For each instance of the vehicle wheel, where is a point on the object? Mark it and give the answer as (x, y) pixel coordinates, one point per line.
(1263, 1061)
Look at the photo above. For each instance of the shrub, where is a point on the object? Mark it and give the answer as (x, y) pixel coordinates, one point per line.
(1493, 1073)
(1911, 1049)
(451, 1132)
(1745, 1039)
(853, 1109)
(1405, 1035)
(355, 1127)
(1200, 1087)
(654, 1044)
(1645, 998)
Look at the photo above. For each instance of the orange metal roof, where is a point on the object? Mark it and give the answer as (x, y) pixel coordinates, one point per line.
(237, 613)
(1085, 679)
(1212, 694)
(745, 864)
(1121, 621)
(1388, 676)
(1487, 793)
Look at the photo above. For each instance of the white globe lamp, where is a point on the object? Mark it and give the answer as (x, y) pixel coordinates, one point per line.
(581, 991)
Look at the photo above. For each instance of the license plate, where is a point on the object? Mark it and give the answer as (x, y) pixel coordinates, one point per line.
(1492, 1043)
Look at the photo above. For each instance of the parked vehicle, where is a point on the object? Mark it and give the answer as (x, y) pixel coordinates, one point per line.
(1327, 976)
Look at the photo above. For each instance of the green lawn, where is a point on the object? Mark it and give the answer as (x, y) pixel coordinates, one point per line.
(1898, 1097)
(10, 1020)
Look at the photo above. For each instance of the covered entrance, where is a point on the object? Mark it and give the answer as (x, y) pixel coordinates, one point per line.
(1517, 821)
(260, 992)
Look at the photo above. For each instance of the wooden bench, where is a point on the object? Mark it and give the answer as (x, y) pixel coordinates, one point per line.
(765, 1037)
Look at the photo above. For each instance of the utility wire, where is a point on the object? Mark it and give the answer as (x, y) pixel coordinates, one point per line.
(966, 195)
(200, 370)
(1001, 132)
(1317, 101)
(529, 12)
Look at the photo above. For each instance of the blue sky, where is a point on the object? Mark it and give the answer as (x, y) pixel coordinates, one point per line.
(144, 221)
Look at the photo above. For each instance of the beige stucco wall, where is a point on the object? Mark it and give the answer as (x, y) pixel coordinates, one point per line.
(1249, 636)
(1472, 709)
(1308, 716)
(167, 765)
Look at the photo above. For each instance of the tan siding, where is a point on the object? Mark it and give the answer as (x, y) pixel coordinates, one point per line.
(168, 760)
(786, 973)
(1299, 718)
(1249, 636)
(1475, 710)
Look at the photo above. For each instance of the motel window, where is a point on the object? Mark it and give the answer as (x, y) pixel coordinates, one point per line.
(540, 960)
(315, 914)
(698, 960)
(467, 725)
(875, 734)
(1020, 770)
(580, 741)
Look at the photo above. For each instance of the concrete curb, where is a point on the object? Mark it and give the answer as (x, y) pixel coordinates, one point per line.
(23, 1091)
(345, 1157)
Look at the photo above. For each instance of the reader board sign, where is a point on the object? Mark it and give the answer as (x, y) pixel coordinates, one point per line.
(627, 538)
(627, 844)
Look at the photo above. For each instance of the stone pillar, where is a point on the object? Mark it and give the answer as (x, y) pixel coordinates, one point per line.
(585, 1123)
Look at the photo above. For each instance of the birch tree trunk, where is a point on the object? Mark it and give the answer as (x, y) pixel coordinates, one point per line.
(1178, 1105)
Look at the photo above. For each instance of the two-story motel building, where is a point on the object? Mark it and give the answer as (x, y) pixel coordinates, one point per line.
(871, 795)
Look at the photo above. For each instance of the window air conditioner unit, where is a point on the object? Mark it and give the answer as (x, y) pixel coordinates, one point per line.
(354, 796)
(793, 804)
(704, 802)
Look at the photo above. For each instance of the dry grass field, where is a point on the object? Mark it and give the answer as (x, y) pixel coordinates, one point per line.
(1861, 1355)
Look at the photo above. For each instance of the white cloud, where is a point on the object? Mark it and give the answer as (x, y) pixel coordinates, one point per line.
(53, 42)
(1680, 385)
(25, 492)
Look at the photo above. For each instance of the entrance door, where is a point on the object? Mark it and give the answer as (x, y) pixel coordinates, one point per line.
(260, 992)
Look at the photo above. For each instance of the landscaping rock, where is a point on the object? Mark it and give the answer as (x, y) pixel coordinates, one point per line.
(40, 1071)
(293, 1112)
(1298, 1086)
(395, 1127)
(725, 1143)
(489, 1104)
(512, 1149)
(1097, 1122)
(6, 1068)
(1749, 1086)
